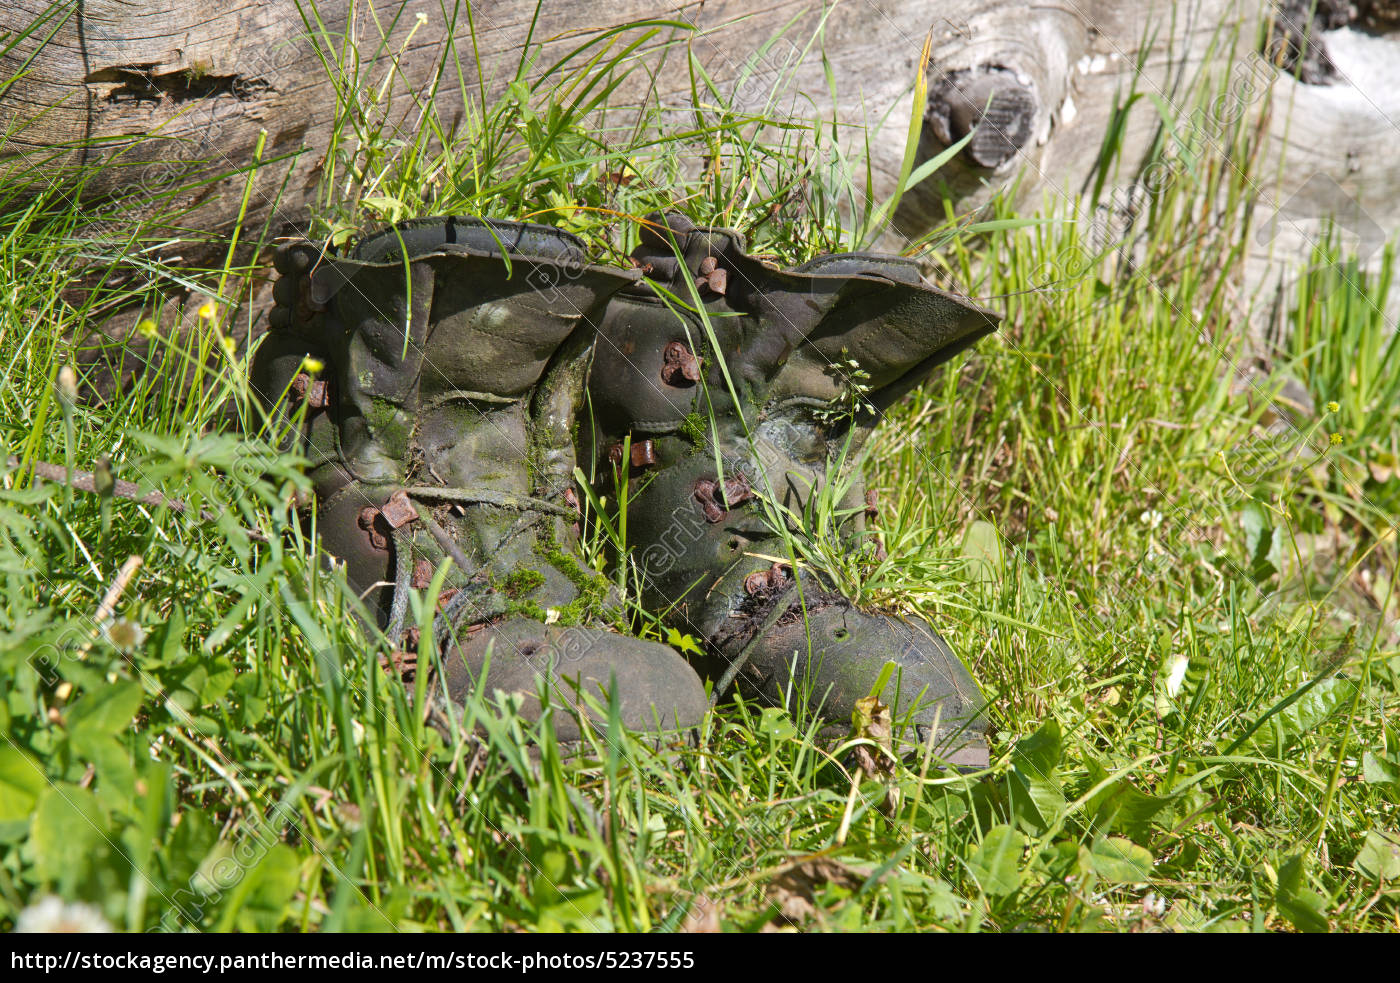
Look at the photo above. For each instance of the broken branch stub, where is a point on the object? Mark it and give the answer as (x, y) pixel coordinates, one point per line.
(992, 103)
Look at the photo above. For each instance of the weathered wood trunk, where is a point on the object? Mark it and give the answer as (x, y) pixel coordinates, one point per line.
(105, 75)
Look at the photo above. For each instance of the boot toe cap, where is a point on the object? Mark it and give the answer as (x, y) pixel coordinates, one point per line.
(838, 653)
(656, 689)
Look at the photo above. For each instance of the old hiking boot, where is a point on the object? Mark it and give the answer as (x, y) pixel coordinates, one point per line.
(704, 547)
(460, 444)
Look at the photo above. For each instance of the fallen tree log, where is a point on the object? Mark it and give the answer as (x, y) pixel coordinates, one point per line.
(164, 86)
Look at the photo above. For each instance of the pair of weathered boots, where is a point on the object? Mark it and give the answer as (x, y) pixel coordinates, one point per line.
(467, 365)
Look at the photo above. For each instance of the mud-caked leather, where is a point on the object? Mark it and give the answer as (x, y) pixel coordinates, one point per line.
(453, 353)
(784, 340)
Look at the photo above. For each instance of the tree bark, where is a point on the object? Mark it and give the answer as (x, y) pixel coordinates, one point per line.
(136, 80)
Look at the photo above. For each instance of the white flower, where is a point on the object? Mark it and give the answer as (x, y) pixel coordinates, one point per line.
(51, 914)
(124, 634)
(1151, 518)
(68, 384)
(1176, 674)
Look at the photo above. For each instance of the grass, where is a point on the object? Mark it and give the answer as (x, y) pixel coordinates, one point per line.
(1181, 604)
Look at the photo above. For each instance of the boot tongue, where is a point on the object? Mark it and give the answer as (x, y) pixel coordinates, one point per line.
(706, 256)
(657, 230)
(872, 307)
(801, 328)
(877, 312)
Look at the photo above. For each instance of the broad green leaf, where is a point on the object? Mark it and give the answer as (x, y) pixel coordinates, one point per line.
(1262, 541)
(682, 642)
(220, 677)
(1035, 794)
(266, 906)
(1380, 856)
(1380, 770)
(1295, 901)
(257, 898)
(1304, 714)
(1307, 910)
(1040, 753)
(981, 546)
(1228, 926)
(67, 831)
(775, 723)
(172, 645)
(107, 711)
(1120, 860)
(191, 844)
(996, 863)
(21, 782)
(1314, 707)
(111, 763)
(390, 209)
(1290, 876)
(944, 904)
(1121, 807)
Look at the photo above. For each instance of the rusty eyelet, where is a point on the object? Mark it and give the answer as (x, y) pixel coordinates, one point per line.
(374, 526)
(314, 392)
(766, 581)
(643, 454)
(712, 275)
(679, 366)
(398, 510)
(715, 500)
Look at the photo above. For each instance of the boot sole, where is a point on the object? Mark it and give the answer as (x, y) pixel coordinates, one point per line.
(969, 756)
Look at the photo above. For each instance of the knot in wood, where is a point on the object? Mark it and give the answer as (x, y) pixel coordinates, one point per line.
(990, 102)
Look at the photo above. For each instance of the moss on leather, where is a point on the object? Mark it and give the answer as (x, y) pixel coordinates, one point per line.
(519, 583)
(592, 587)
(694, 430)
(384, 423)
